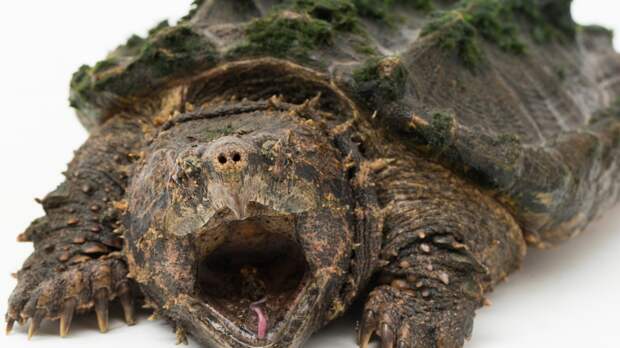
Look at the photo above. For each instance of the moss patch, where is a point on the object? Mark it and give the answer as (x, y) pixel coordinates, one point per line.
(383, 9)
(285, 34)
(547, 22)
(499, 22)
(193, 10)
(142, 65)
(438, 134)
(597, 29)
(176, 51)
(132, 47)
(380, 81)
(104, 65)
(296, 27)
(340, 14)
(456, 33)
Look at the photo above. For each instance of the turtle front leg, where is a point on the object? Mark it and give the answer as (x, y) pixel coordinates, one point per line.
(77, 265)
(445, 245)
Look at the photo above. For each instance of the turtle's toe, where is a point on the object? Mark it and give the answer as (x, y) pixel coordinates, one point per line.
(385, 315)
(401, 320)
(80, 289)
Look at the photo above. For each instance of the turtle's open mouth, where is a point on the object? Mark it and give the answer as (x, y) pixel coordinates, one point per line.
(252, 272)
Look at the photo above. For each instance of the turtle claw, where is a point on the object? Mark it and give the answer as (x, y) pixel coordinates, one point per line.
(387, 336)
(126, 300)
(367, 329)
(9, 325)
(35, 323)
(403, 320)
(101, 309)
(405, 335)
(181, 337)
(370, 325)
(67, 317)
(88, 286)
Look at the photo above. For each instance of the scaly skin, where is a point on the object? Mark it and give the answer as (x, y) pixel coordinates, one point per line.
(200, 136)
(77, 265)
(445, 245)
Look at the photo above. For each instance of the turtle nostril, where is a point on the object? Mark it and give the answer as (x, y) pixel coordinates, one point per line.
(229, 153)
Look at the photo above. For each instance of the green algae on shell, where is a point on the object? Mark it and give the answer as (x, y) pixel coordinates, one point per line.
(499, 22)
(140, 65)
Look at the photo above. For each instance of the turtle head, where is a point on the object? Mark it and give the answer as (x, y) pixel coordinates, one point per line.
(240, 229)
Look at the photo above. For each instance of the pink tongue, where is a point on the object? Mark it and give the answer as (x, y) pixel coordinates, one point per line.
(262, 319)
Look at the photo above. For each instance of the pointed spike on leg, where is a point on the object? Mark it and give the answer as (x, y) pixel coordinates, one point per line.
(67, 316)
(101, 309)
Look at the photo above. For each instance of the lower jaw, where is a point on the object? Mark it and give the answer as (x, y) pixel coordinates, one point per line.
(211, 327)
(261, 320)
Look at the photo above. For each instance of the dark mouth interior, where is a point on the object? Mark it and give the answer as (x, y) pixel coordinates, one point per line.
(258, 266)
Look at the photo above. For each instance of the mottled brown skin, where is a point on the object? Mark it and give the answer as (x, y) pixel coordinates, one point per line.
(444, 243)
(257, 185)
(78, 265)
(273, 167)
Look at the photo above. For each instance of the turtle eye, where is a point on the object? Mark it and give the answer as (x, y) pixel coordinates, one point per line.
(191, 165)
(187, 168)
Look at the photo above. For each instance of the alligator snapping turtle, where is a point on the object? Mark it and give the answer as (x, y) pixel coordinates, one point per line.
(258, 166)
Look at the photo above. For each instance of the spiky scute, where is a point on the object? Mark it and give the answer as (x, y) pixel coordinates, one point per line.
(303, 30)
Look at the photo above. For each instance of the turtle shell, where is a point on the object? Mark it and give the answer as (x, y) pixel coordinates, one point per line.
(510, 94)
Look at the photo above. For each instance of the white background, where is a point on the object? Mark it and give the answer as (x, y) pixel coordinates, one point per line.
(567, 297)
